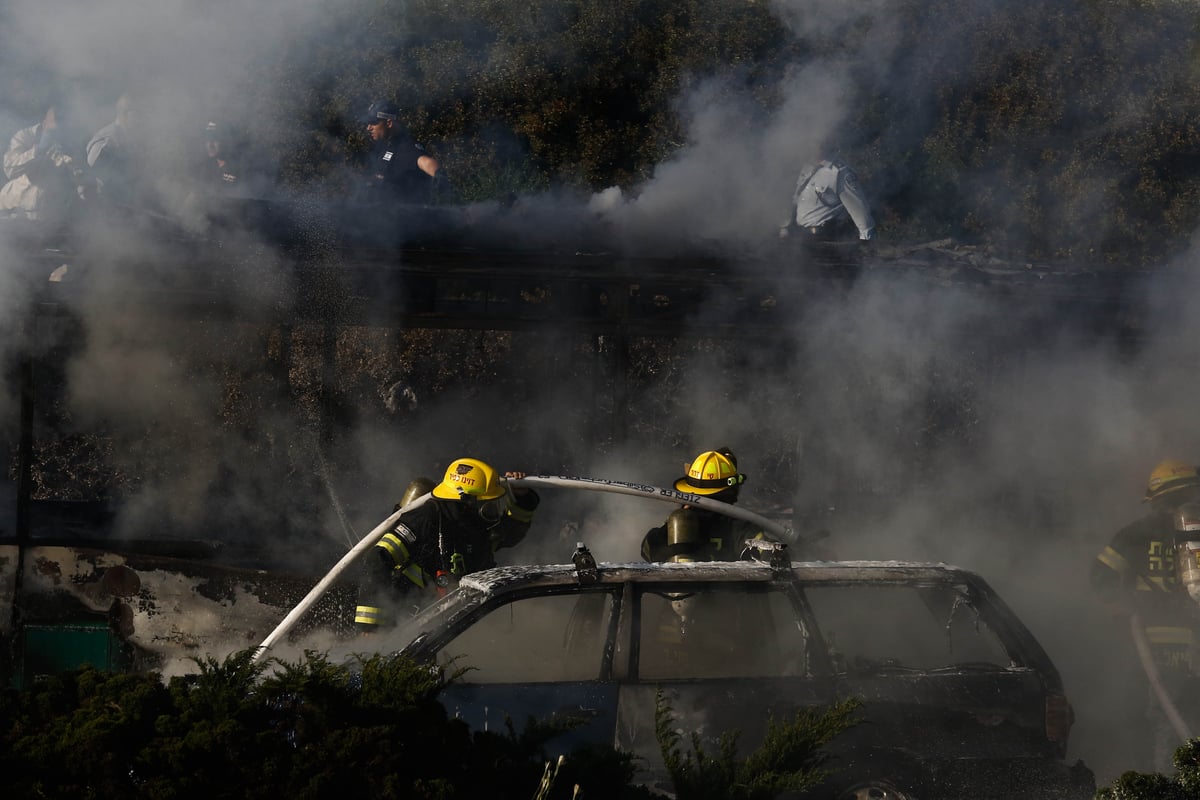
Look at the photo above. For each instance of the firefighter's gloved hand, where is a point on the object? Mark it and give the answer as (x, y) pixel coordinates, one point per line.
(519, 493)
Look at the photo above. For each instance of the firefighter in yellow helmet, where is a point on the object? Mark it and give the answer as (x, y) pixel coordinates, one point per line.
(695, 534)
(1136, 574)
(471, 514)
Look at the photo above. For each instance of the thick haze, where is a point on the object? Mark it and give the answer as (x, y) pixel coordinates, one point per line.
(1051, 441)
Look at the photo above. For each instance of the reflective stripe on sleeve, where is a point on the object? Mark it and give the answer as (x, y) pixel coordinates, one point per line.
(520, 514)
(1169, 634)
(368, 615)
(415, 574)
(398, 550)
(395, 547)
(1113, 560)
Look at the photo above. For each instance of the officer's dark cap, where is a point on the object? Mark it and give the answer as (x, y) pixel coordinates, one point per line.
(380, 111)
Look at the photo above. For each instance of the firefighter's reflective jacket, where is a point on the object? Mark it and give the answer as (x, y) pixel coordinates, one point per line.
(434, 545)
(1137, 569)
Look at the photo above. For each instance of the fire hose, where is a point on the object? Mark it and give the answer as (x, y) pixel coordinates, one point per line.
(318, 591)
(659, 493)
(668, 495)
(1178, 724)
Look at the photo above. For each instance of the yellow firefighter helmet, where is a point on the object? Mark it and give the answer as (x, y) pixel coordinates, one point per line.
(1170, 476)
(711, 472)
(469, 478)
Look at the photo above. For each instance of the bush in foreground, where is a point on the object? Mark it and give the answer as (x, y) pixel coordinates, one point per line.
(1184, 785)
(789, 759)
(311, 729)
(315, 729)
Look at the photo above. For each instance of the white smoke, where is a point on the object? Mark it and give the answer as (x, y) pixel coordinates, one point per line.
(1057, 431)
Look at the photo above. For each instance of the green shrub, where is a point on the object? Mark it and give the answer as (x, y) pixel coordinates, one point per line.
(789, 758)
(309, 729)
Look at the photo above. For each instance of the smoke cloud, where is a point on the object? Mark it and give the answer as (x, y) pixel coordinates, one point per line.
(910, 419)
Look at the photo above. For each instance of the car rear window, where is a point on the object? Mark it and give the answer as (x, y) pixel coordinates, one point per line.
(549, 638)
(868, 627)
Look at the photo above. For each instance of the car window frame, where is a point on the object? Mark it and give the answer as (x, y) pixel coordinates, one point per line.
(815, 660)
(433, 643)
(1023, 649)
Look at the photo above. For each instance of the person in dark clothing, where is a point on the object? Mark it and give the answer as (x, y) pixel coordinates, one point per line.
(214, 181)
(116, 156)
(471, 514)
(217, 174)
(398, 168)
(695, 534)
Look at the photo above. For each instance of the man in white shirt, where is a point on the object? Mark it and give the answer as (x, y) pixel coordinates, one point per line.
(828, 198)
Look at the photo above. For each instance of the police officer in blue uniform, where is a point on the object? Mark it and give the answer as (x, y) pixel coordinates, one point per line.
(398, 168)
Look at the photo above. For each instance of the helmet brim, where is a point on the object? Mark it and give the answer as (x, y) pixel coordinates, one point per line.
(445, 492)
(1170, 488)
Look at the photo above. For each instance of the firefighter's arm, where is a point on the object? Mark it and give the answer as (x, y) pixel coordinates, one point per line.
(1109, 580)
(518, 516)
(369, 615)
(523, 500)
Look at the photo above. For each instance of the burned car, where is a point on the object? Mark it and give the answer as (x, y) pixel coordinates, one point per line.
(959, 699)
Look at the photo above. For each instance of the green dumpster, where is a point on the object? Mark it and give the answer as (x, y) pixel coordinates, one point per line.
(47, 649)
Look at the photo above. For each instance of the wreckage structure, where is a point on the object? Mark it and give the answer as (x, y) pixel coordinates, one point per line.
(74, 588)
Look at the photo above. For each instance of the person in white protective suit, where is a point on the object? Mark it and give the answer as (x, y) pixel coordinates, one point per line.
(826, 202)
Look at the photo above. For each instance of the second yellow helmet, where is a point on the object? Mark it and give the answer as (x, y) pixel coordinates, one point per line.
(711, 472)
(1169, 476)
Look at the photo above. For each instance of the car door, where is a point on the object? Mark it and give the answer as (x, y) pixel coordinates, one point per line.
(930, 669)
(724, 656)
(545, 654)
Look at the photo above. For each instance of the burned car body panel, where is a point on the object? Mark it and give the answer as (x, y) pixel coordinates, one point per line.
(953, 685)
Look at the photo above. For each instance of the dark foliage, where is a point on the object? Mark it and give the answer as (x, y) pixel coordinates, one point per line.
(790, 758)
(1185, 784)
(310, 729)
(1066, 129)
(1061, 130)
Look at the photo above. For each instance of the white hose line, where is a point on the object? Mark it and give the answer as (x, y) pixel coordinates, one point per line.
(668, 495)
(590, 484)
(314, 594)
(1182, 730)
